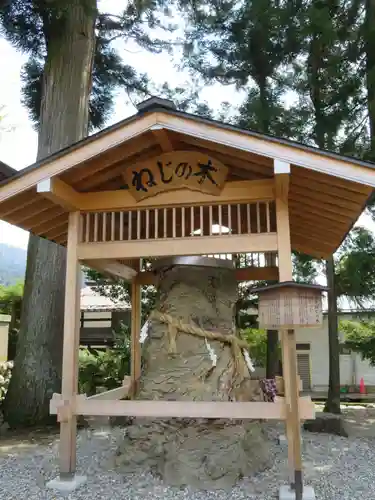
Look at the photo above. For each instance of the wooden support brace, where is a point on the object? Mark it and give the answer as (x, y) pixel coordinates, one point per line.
(60, 193)
(188, 409)
(69, 386)
(135, 357)
(288, 342)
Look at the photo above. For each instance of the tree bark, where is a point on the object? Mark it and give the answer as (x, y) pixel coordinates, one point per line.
(273, 358)
(200, 453)
(70, 42)
(370, 71)
(333, 400)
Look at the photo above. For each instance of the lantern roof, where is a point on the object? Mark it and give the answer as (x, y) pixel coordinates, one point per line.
(289, 284)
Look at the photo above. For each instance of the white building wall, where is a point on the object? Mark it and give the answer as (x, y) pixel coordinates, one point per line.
(352, 367)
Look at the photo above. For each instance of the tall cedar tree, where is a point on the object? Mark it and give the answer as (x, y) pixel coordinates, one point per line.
(69, 83)
(248, 45)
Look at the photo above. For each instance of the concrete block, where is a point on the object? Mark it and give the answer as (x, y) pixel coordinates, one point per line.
(66, 485)
(286, 493)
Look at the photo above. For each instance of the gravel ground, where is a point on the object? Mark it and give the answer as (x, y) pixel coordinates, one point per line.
(338, 469)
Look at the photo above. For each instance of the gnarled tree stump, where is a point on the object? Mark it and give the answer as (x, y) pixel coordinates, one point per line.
(202, 453)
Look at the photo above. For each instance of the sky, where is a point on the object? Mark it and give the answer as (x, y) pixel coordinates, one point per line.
(18, 143)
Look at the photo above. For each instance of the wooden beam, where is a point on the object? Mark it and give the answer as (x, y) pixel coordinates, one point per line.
(331, 190)
(313, 220)
(117, 169)
(282, 176)
(267, 273)
(288, 338)
(69, 384)
(311, 207)
(292, 153)
(316, 253)
(113, 268)
(236, 164)
(135, 357)
(47, 215)
(187, 409)
(244, 274)
(59, 193)
(163, 138)
(107, 158)
(346, 207)
(114, 394)
(19, 202)
(75, 155)
(314, 241)
(282, 173)
(195, 245)
(44, 226)
(230, 152)
(36, 209)
(317, 232)
(236, 192)
(329, 181)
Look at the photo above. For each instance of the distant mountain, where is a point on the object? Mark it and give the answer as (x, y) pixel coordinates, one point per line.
(12, 264)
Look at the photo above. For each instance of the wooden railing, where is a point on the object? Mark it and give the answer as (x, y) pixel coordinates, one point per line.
(179, 222)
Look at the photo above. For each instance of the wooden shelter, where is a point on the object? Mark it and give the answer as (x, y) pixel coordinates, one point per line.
(156, 185)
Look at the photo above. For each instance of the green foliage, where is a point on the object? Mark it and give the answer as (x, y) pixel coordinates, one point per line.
(355, 277)
(30, 24)
(10, 295)
(105, 368)
(257, 340)
(360, 337)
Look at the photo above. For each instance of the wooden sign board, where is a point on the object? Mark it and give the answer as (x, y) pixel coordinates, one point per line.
(176, 170)
(290, 308)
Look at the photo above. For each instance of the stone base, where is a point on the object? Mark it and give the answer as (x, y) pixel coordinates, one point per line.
(286, 493)
(66, 485)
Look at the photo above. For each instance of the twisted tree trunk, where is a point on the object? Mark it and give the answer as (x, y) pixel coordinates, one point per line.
(202, 453)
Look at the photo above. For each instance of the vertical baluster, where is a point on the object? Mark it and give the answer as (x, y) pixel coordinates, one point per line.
(174, 222)
(147, 224)
(165, 222)
(81, 224)
(258, 217)
(87, 236)
(104, 226)
(113, 214)
(238, 218)
(220, 219)
(183, 222)
(96, 223)
(268, 217)
(210, 218)
(156, 223)
(138, 224)
(192, 221)
(130, 220)
(248, 218)
(201, 220)
(229, 220)
(121, 226)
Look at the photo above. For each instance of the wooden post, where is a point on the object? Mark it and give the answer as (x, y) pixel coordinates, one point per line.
(135, 357)
(288, 339)
(69, 388)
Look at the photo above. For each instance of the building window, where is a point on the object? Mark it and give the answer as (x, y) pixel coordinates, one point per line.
(344, 349)
(303, 347)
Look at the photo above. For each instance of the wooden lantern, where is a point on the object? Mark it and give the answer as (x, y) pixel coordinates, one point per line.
(289, 305)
